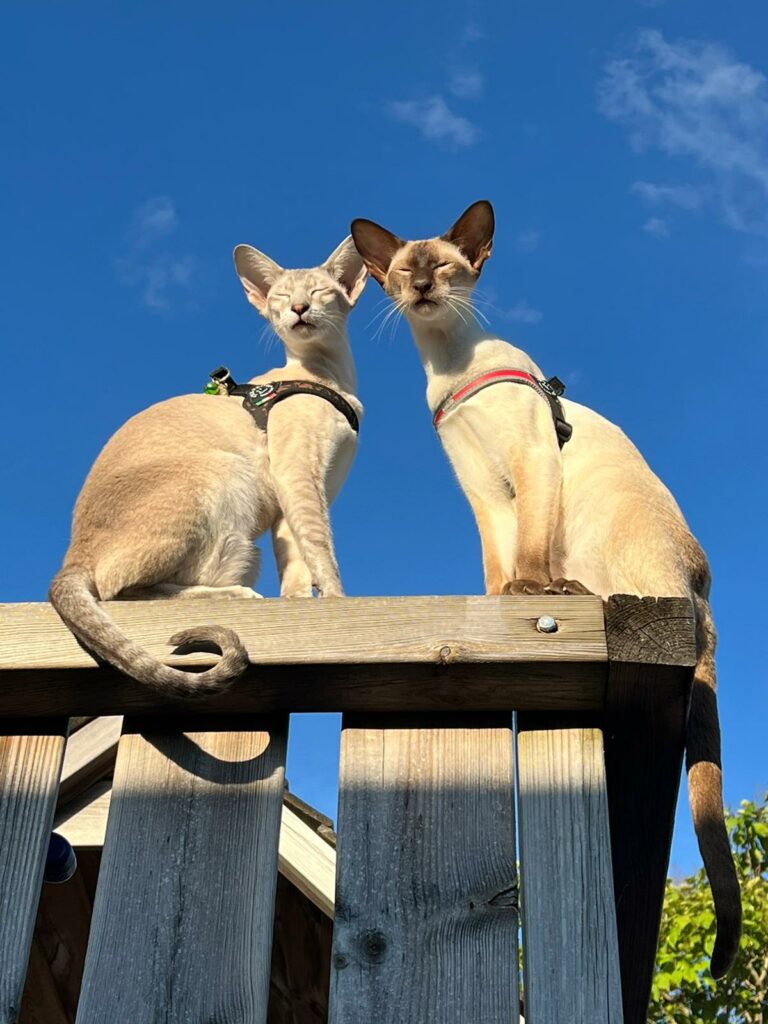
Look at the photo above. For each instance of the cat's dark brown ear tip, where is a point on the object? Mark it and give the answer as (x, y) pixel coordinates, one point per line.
(487, 207)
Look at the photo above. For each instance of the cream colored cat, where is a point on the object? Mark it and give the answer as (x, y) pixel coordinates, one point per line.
(593, 513)
(177, 497)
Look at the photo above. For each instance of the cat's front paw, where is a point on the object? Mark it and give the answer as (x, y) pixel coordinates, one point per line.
(563, 586)
(523, 587)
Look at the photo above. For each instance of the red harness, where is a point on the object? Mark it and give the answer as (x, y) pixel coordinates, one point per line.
(548, 389)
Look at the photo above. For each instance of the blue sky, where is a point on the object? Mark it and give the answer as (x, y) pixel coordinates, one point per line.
(623, 145)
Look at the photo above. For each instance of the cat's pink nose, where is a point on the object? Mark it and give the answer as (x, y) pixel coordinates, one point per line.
(300, 308)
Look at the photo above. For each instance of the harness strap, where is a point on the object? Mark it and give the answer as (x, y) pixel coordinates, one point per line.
(259, 399)
(549, 389)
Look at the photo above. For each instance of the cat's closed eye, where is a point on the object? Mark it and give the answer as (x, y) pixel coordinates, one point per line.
(439, 265)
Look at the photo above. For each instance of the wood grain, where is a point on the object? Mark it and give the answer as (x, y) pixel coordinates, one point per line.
(360, 654)
(652, 649)
(30, 765)
(356, 631)
(570, 950)
(182, 921)
(426, 889)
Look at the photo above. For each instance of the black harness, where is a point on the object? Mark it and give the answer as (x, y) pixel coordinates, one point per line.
(259, 399)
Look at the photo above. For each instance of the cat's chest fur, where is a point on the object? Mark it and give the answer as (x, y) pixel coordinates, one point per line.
(479, 434)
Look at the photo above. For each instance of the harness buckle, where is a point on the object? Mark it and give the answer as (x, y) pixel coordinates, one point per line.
(553, 386)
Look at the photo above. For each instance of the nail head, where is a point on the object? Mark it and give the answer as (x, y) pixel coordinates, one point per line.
(546, 624)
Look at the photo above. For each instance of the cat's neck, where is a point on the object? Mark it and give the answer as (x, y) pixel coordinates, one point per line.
(330, 364)
(451, 354)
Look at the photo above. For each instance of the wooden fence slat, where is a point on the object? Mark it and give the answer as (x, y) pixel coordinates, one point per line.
(30, 766)
(182, 921)
(570, 950)
(426, 887)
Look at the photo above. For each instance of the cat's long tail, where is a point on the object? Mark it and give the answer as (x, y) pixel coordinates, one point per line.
(705, 792)
(74, 596)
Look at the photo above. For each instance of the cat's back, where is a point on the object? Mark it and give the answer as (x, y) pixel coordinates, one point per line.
(602, 465)
(182, 427)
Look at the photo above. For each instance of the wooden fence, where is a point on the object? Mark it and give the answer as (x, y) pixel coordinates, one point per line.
(427, 896)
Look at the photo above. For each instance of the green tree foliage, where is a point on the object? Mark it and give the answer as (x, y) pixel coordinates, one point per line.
(683, 990)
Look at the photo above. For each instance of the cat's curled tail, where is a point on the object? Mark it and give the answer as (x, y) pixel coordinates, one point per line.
(74, 596)
(705, 793)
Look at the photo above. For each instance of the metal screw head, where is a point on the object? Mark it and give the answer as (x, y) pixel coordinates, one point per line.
(546, 624)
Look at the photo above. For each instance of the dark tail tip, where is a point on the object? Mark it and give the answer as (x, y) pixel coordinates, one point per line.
(726, 948)
(705, 793)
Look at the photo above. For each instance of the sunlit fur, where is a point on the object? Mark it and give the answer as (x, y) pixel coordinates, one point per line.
(547, 519)
(174, 502)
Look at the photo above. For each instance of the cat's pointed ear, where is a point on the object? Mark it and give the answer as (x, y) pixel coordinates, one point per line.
(473, 233)
(257, 273)
(376, 245)
(346, 265)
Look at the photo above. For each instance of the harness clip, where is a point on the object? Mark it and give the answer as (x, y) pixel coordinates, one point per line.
(554, 386)
(223, 379)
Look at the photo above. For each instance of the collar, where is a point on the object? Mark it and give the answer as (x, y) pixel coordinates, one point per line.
(550, 390)
(259, 399)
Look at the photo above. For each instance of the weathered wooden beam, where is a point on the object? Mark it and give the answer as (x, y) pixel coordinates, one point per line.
(426, 889)
(651, 645)
(570, 950)
(182, 921)
(359, 654)
(30, 763)
(90, 755)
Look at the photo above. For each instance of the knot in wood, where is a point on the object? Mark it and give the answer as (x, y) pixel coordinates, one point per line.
(445, 653)
(373, 947)
(340, 961)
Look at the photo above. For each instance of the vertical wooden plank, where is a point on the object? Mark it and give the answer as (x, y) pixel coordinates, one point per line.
(570, 950)
(651, 652)
(426, 885)
(182, 922)
(31, 755)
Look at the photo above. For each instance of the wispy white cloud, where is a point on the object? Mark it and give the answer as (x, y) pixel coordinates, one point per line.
(527, 241)
(151, 221)
(472, 32)
(694, 101)
(688, 197)
(160, 273)
(436, 121)
(467, 83)
(657, 226)
(522, 313)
